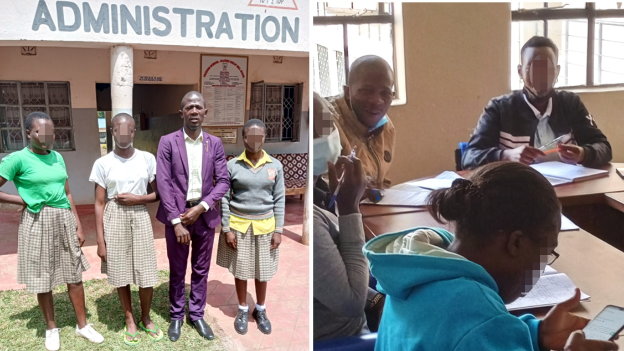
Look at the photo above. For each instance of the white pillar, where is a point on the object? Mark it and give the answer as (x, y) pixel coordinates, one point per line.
(122, 79)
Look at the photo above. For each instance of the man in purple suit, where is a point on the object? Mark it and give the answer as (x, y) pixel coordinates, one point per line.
(191, 176)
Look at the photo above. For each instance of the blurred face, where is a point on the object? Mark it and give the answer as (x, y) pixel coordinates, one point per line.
(370, 95)
(193, 112)
(539, 71)
(41, 135)
(254, 139)
(123, 132)
(529, 265)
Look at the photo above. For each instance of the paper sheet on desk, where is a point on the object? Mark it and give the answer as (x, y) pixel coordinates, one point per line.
(395, 197)
(567, 224)
(441, 181)
(551, 288)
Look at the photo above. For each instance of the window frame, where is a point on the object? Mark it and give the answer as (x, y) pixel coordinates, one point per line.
(48, 105)
(394, 17)
(589, 13)
(297, 109)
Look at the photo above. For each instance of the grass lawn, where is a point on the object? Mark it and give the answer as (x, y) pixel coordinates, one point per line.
(22, 326)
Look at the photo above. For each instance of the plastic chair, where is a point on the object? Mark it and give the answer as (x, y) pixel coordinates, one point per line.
(461, 147)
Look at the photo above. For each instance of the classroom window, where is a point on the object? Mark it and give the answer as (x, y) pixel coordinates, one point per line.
(18, 99)
(279, 107)
(344, 31)
(590, 38)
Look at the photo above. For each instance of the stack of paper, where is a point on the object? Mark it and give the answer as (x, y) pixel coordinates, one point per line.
(562, 173)
(551, 288)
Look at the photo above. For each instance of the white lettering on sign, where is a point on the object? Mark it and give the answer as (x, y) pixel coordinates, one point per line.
(246, 24)
(121, 19)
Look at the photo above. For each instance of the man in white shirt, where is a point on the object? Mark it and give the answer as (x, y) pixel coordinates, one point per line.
(191, 178)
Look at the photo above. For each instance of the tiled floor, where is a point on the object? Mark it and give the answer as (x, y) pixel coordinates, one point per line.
(287, 295)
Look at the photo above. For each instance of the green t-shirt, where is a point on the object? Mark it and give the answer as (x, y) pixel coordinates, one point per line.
(39, 179)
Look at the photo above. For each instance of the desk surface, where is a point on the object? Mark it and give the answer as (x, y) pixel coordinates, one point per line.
(583, 192)
(591, 191)
(616, 200)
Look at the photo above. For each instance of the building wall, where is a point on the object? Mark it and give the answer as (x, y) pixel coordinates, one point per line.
(84, 67)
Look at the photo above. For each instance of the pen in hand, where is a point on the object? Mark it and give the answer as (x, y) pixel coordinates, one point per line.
(334, 196)
(554, 142)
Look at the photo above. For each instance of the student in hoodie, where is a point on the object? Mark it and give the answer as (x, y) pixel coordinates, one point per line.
(449, 293)
(360, 115)
(522, 125)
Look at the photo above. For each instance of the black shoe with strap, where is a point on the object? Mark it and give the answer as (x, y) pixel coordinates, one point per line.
(202, 328)
(263, 321)
(240, 322)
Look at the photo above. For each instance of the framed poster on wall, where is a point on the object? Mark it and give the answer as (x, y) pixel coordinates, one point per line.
(223, 82)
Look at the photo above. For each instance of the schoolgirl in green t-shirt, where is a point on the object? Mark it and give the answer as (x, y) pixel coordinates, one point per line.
(50, 234)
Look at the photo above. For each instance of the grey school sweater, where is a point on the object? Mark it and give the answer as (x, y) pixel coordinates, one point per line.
(254, 193)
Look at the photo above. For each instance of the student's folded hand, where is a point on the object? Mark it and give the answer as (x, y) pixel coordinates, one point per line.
(127, 199)
(571, 153)
(523, 154)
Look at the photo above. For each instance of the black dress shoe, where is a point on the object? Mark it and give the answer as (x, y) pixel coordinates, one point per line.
(174, 329)
(240, 322)
(202, 328)
(264, 324)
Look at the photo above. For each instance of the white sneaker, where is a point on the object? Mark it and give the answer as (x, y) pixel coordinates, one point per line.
(52, 340)
(90, 334)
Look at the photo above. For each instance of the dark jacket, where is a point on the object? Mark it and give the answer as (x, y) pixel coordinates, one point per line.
(508, 122)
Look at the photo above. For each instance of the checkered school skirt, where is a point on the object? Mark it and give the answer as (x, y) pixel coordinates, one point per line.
(48, 252)
(130, 252)
(253, 258)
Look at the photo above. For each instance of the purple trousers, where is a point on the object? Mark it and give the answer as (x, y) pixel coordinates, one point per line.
(202, 239)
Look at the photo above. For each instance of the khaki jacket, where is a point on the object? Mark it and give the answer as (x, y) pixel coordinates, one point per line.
(375, 149)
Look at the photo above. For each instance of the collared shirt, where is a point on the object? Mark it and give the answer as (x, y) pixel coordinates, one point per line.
(543, 133)
(194, 157)
(259, 226)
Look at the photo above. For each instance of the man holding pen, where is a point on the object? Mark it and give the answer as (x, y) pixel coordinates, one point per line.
(525, 126)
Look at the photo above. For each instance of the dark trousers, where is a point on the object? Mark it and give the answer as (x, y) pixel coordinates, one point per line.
(202, 239)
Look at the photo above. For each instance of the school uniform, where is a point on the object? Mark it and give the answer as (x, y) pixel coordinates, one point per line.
(130, 251)
(253, 209)
(48, 250)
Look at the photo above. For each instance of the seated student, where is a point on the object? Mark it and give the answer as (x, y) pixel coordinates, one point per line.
(450, 294)
(513, 127)
(360, 115)
(340, 269)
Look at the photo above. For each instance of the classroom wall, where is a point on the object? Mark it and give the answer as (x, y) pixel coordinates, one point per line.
(607, 109)
(457, 57)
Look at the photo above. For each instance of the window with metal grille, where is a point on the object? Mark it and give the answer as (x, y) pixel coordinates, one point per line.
(344, 31)
(279, 107)
(590, 38)
(18, 99)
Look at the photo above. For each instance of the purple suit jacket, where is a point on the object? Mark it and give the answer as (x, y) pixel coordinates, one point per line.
(172, 177)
